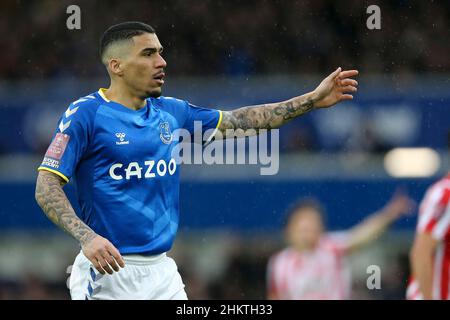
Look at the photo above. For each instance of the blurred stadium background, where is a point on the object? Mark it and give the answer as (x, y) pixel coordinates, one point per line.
(224, 54)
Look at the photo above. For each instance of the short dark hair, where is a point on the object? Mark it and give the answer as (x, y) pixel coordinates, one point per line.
(304, 203)
(123, 31)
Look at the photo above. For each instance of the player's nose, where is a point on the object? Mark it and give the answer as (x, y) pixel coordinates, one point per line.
(160, 62)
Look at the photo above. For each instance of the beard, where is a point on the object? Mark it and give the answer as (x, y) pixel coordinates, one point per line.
(154, 93)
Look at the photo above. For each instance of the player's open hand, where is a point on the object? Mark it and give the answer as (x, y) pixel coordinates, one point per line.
(337, 87)
(103, 255)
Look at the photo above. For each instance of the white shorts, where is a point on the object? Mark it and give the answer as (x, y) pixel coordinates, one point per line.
(143, 278)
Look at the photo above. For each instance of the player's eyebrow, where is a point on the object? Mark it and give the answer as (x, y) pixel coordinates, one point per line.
(152, 50)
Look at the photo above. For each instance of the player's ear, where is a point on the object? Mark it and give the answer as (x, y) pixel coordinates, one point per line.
(115, 67)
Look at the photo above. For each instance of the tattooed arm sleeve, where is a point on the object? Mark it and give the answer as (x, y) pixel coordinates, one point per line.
(247, 121)
(53, 201)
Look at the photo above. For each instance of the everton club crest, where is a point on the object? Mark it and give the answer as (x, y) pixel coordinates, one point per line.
(165, 134)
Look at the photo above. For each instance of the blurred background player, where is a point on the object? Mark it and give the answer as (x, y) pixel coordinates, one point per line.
(430, 253)
(313, 266)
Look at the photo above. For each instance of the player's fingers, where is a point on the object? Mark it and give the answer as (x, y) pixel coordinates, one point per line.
(349, 89)
(108, 258)
(407, 207)
(335, 73)
(346, 97)
(348, 74)
(97, 266)
(348, 82)
(117, 256)
(104, 265)
(412, 205)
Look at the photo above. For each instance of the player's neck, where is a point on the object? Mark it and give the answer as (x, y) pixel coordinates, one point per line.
(302, 248)
(124, 97)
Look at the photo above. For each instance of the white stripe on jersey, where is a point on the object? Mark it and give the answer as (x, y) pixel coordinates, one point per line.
(428, 207)
(441, 228)
(413, 293)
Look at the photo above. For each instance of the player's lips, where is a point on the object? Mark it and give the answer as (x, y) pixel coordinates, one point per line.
(159, 77)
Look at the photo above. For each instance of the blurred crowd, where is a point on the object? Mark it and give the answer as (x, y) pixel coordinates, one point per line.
(211, 39)
(230, 37)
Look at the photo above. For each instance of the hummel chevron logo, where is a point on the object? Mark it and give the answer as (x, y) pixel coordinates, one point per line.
(78, 101)
(63, 126)
(70, 112)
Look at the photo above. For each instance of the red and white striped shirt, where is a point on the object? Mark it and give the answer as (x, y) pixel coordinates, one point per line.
(320, 274)
(434, 219)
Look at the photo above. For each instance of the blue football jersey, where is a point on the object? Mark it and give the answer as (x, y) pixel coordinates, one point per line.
(122, 163)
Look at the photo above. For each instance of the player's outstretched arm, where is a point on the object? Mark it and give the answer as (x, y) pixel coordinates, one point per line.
(373, 226)
(335, 88)
(52, 199)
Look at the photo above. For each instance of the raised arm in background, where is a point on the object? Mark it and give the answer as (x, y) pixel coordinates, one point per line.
(374, 225)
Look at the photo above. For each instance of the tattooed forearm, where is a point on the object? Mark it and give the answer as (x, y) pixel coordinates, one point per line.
(53, 201)
(266, 116)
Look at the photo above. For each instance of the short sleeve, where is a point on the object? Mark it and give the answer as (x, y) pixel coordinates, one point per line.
(204, 119)
(271, 286)
(68, 144)
(434, 212)
(338, 242)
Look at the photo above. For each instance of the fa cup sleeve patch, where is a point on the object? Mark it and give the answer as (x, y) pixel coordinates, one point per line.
(58, 146)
